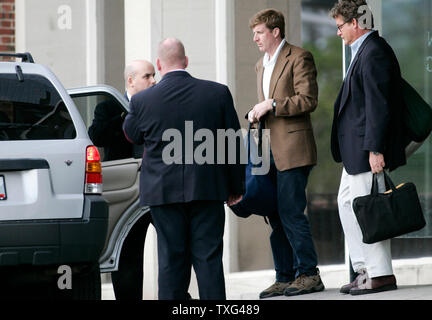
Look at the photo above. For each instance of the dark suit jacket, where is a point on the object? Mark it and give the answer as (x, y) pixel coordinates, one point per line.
(368, 110)
(178, 98)
(106, 131)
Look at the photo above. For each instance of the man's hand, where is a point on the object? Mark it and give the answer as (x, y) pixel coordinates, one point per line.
(234, 199)
(260, 110)
(376, 162)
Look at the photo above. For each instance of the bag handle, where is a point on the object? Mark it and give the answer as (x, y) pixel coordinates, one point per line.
(388, 183)
(260, 126)
(248, 139)
(260, 130)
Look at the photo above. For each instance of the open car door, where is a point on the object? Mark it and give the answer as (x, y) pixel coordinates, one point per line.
(120, 169)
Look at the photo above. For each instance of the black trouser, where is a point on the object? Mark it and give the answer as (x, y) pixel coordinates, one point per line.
(128, 280)
(190, 234)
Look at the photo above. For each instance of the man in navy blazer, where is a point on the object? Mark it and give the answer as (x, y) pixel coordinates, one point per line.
(367, 137)
(186, 196)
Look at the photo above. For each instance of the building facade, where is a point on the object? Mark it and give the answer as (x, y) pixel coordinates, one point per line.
(7, 26)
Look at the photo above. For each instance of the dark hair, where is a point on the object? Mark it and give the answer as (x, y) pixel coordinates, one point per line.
(271, 18)
(349, 10)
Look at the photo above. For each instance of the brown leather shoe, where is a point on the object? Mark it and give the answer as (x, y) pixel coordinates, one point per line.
(360, 279)
(375, 285)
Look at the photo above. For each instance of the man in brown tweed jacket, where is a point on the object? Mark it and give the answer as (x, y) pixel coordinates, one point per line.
(287, 94)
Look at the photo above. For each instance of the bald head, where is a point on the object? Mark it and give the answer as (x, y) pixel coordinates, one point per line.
(139, 75)
(171, 55)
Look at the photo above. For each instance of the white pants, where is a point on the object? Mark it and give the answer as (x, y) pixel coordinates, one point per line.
(376, 257)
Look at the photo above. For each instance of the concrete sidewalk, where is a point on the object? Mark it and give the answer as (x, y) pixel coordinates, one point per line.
(414, 278)
(420, 292)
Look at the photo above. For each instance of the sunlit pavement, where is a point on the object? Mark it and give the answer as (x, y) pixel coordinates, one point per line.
(419, 292)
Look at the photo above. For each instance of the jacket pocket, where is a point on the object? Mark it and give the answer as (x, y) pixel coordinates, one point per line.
(300, 125)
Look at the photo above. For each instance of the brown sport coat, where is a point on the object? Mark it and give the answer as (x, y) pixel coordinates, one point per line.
(293, 85)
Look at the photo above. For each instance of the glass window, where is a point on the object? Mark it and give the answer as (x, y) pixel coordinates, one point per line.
(32, 110)
(411, 39)
(319, 37)
(410, 36)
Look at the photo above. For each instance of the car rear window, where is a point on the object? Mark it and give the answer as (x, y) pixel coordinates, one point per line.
(32, 109)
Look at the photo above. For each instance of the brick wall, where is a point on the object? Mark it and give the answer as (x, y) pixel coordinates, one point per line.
(7, 26)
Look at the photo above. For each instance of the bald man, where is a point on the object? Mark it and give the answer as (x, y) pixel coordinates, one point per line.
(186, 198)
(106, 131)
(139, 75)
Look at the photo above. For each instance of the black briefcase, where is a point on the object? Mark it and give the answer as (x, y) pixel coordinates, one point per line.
(387, 215)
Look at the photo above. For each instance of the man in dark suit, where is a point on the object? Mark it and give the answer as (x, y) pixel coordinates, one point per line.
(106, 131)
(186, 198)
(367, 137)
(287, 94)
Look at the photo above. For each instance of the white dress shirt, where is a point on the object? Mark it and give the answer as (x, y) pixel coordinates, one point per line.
(355, 46)
(269, 65)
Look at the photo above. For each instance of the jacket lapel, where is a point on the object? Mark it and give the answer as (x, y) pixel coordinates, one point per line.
(345, 90)
(280, 65)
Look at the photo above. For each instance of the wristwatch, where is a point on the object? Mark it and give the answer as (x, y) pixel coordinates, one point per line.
(274, 106)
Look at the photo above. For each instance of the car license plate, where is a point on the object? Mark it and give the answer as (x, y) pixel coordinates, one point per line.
(3, 195)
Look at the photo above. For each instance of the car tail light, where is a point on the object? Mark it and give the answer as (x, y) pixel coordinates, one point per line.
(93, 183)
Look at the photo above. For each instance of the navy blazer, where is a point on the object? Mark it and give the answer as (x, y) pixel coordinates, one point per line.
(368, 110)
(178, 98)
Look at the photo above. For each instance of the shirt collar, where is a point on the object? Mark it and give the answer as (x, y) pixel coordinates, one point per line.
(266, 61)
(357, 44)
(177, 70)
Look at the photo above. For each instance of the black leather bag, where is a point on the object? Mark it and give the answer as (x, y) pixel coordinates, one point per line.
(261, 194)
(387, 215)
(417, 114)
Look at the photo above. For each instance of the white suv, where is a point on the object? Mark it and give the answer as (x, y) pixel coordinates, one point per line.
(52, 210)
